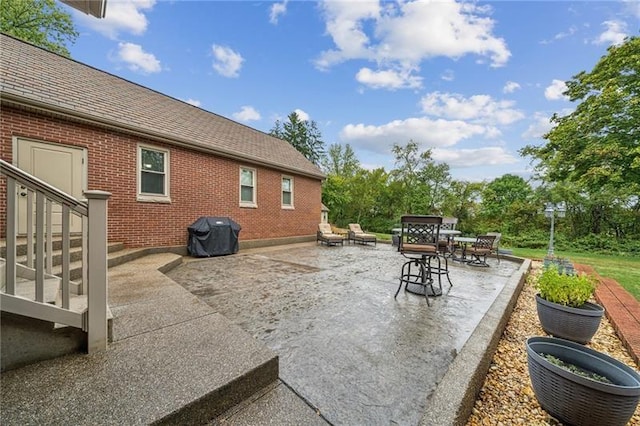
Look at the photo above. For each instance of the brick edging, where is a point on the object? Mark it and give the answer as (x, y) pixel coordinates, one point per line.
(622, 309)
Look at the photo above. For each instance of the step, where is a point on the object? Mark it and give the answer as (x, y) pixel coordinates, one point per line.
(75, 254)
(114, 258)
(21, 245)
(187, 373)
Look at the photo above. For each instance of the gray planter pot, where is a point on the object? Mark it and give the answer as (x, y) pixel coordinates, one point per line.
(577, 400)
(575, 324)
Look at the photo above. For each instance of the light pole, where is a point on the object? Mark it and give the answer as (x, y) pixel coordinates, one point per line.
(550, 210)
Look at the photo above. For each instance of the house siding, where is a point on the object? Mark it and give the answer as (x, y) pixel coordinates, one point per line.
(201, 184)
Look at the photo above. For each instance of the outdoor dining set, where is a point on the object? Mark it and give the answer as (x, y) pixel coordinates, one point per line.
(428, 243)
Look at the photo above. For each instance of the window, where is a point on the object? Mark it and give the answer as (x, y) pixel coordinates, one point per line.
(247, 187)
(287, 192)
(153, 174)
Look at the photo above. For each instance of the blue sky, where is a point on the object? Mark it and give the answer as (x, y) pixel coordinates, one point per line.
(473, 81)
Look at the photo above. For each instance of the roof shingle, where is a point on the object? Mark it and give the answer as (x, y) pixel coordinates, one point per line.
(35, 77)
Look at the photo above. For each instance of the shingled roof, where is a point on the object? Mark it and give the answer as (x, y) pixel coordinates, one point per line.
(35, 78)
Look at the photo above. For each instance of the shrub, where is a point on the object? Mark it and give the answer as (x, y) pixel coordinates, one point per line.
(567, 290)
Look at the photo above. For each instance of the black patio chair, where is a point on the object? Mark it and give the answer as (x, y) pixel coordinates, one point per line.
(495, 249)
(418, 243)
(480, 249)
(445, 242)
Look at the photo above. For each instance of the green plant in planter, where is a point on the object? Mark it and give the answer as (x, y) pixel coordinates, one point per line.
(567, 290)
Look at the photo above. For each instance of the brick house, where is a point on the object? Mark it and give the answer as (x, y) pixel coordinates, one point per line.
(165, 162)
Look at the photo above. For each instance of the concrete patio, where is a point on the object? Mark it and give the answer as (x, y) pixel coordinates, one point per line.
(346, 347)
(286, 335)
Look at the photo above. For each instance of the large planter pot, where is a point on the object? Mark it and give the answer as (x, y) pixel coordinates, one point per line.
(578, 400)
(575, 324)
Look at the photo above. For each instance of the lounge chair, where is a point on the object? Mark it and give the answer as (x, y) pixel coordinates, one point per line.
(357, 235)
(325, 235)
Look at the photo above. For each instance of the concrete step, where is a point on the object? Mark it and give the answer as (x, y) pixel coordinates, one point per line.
(21, 246)
(75, 254)
(187, 373)
(114, 258)
(173, 361)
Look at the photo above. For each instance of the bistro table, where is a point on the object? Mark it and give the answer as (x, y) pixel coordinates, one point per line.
(445, 232)
(464, 241)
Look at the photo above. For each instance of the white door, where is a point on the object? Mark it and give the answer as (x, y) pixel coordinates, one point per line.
(58, 165)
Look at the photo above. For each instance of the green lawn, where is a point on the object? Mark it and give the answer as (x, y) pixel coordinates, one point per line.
(625, 270)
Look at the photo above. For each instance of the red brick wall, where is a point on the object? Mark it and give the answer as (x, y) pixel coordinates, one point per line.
(200, 185)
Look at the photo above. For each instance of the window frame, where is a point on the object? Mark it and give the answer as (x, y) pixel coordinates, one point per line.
(289, 206)
(254, 173)
(149, 197)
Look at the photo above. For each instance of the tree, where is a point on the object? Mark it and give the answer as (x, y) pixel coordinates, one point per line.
(502, 192)
(41, 22)
(597, 146)
(303, 135)
(423, 181)
(341, 161)
(508, 205)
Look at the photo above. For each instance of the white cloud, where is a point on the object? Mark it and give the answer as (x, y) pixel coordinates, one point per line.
(247, 113)
(539, 126)
(424, 131)
(388, 79)
(489, 156)
(122, 16)
(137, 59)
(510, 87)
(563, 34)
(406, 33)
(555, 90)
(615, 33)
(343, 23)
(277, 9)
(448, 75)
(226, 62)
(303, 116)
(478, 108)
(193, 102)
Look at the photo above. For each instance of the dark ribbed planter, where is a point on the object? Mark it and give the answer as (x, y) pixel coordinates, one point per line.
(578, 400)
(575, 324)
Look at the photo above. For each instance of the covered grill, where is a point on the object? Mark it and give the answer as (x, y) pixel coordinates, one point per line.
(213, 236)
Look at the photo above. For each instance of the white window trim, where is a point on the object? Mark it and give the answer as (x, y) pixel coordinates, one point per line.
(287, 206)
(254, 203)
(153, 198)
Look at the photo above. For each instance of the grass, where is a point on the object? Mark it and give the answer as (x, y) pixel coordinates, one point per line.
(625, 270)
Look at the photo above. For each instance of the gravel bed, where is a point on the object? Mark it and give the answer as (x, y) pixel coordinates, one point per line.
(507, 398)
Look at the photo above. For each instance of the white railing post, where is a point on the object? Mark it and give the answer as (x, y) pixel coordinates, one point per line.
(10, 280)
(97, 271)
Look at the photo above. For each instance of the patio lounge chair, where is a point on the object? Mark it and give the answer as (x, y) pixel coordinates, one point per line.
(480, 249)
(357, 235)
(325, 235)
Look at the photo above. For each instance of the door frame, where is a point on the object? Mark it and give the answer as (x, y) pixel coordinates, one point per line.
(84, 173)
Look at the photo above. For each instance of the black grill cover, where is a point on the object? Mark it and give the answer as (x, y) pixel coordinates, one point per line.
(213, 236)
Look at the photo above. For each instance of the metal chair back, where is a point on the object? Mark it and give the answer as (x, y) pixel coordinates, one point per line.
(419, 231)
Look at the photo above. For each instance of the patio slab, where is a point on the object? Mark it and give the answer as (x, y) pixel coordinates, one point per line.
(348, 348)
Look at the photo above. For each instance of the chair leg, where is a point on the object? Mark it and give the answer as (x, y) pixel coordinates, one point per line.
(446, 268)
(420, 278)
(426, 277)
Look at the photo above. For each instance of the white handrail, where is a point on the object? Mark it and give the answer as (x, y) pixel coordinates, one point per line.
(93, 212)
